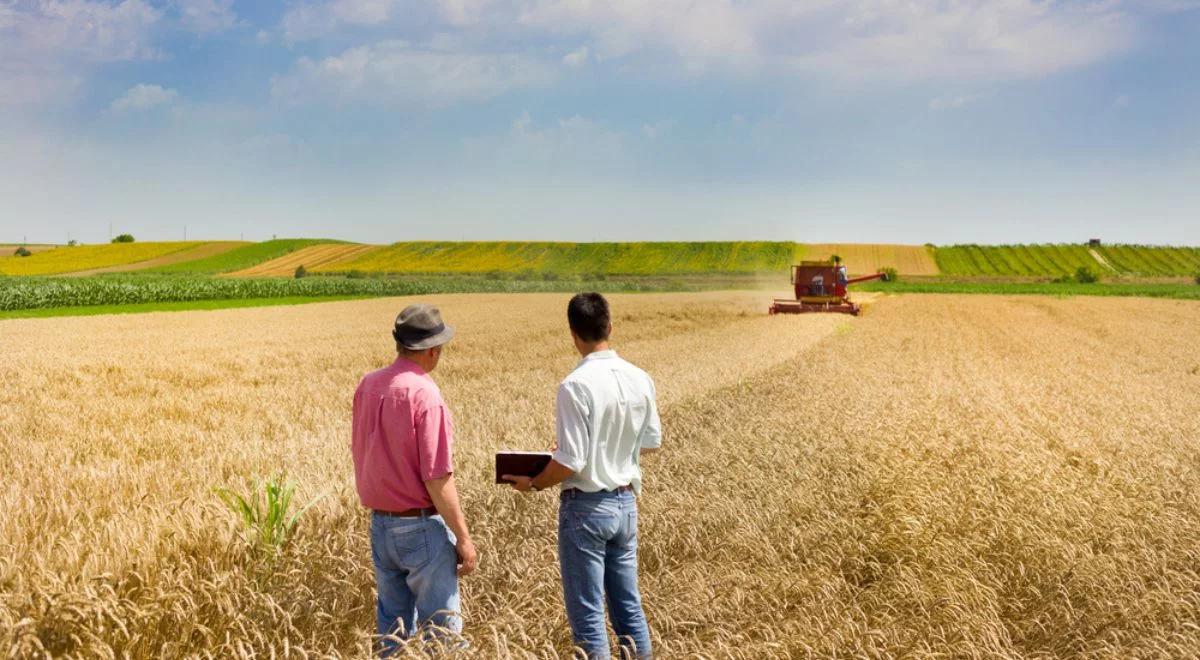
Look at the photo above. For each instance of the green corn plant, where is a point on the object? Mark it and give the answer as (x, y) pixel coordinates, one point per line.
(264, 510)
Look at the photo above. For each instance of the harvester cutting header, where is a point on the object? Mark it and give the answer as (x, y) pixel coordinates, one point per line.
(821, 286)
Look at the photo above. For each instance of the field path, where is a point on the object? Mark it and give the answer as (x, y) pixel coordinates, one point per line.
(309, 257)
(199, 252)
(1101, 260)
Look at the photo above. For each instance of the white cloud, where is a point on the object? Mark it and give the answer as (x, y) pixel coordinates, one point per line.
(313, 20)
(970, 40)
(856, 39)
(206, 16)
(953, 101)
(143, 97)
(577, 57)
(48, 48)
(658, 129)
(395, 73)
(861, 39)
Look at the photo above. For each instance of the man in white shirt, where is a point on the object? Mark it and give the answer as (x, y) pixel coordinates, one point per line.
(606, 418)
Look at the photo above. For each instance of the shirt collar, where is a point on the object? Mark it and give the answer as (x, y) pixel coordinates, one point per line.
(405, 364)
(599, 355)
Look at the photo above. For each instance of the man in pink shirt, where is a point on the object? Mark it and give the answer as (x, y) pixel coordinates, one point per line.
(402, 442)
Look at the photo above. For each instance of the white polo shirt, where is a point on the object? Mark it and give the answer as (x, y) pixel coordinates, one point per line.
(606, 415)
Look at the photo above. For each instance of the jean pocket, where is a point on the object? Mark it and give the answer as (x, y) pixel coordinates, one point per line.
(410, 544)
(599, 526)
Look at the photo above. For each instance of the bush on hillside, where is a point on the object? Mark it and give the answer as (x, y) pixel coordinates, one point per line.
(301, 271)
(123, 238)
(22, 252)
(1085, 275)
(1197, 278)
(890, 274)
(72, 243)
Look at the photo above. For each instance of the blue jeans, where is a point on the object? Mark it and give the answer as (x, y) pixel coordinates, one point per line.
(597, 554)
(416, 576)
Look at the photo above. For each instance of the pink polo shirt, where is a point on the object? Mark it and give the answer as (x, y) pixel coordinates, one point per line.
(401, 437)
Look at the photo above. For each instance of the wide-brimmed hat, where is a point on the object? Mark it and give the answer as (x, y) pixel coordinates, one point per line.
(420, 326)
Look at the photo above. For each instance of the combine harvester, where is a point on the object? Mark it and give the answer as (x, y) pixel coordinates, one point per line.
(821, 287)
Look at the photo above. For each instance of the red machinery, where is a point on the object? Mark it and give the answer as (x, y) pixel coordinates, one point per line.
(821, 287)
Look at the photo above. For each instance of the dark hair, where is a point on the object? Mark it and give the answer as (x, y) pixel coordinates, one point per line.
(588, 315)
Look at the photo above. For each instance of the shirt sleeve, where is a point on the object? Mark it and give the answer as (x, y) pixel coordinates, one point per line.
(434, 436)
(651, 436)
(357, 418)
(571, 427)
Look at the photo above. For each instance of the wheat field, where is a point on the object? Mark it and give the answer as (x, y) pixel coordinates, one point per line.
(946, 476)
(310, 257)
(864, 258)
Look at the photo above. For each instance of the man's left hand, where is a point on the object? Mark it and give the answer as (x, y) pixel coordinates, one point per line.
(523, 484)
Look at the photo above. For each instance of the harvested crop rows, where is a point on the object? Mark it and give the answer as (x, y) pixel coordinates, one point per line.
(310, 257)
(202, 251)
(870, 258)
(953, 475)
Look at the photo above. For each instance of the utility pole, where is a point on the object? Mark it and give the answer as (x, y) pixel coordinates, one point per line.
(110, 231)
(185, 232)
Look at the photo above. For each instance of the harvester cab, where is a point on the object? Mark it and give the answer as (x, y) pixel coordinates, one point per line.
(821, 286)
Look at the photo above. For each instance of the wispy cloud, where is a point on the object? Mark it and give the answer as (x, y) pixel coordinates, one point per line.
(577, 57)
(206, 16)
(953, 101)
(966, 39)
(315, 19)
(395, 73)
(143, 97)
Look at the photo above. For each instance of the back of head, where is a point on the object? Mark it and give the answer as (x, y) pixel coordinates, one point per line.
(589, 317)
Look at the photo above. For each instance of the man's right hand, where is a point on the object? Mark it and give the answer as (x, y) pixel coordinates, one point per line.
(468, 559)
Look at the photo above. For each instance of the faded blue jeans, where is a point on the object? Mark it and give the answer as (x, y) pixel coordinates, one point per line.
(597, 554)
(416, 576)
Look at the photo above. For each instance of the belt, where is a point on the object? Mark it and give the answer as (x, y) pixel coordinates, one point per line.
(409, 513)
(618, 489)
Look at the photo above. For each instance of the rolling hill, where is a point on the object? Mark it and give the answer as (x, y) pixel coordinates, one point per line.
(241, 258)
(91, 257)
(1056, 260)
(571, 258)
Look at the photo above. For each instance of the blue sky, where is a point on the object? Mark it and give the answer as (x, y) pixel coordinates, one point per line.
(947, 121)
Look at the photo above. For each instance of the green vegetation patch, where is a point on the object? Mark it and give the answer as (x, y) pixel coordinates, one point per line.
(573, 259)
(180, 306)
(239, 258)
(1063, 260)
(24, 293)
(1179, 291)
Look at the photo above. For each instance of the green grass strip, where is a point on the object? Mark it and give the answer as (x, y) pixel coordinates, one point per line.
(180, 306)
(1177, 291)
